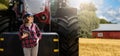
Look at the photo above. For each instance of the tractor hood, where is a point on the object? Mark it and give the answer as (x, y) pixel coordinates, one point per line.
(34, 6)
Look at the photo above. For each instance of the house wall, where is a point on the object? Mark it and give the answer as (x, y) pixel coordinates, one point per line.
(106, 34)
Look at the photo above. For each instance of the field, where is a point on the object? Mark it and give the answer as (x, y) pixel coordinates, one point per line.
(99, 47)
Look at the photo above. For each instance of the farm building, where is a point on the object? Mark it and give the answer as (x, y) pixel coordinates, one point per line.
(107, 31)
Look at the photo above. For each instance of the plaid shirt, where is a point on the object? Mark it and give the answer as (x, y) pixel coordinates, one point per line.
(34, 34)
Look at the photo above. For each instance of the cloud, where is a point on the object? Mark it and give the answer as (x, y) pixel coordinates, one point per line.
(103, 17)
(107, 12)
(111, 12)
(98, 3)
(119, 10)
(76, 3)
(105, 9)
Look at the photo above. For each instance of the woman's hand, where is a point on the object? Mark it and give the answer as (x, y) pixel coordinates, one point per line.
(38, 40)
(25, 35)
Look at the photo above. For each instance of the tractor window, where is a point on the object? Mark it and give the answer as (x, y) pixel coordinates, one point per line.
(34, 6)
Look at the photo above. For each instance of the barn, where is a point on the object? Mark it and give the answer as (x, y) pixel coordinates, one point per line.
(111, 31)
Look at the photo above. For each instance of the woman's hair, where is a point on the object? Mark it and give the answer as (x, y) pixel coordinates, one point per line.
(25, 18)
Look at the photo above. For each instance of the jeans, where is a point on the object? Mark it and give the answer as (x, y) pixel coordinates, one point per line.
(31, 51)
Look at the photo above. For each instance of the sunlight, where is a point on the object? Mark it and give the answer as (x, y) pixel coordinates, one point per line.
(76, 3)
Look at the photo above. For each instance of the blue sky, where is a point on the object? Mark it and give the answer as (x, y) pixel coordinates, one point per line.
(107, 9)
(110, 10)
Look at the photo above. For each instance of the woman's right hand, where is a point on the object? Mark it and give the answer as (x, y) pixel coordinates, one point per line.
(25, 35)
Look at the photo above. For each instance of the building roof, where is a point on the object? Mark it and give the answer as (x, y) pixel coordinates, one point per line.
(108, 27)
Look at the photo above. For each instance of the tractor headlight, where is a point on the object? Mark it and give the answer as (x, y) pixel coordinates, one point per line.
(43, 17)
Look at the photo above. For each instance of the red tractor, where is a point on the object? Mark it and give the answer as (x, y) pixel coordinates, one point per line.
(39, 8)
(64, 22)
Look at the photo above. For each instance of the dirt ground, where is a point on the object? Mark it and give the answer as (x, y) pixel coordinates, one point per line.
(99, 47)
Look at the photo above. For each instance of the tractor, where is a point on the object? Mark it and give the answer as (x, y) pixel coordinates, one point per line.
(62, 27)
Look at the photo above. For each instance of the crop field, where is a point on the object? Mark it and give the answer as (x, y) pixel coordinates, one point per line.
(99, 47)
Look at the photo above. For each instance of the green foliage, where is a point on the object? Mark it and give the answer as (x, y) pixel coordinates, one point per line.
(3, 7)
(53, 7)
(88, 7)
(88, 19)
(4, 4)
(103, 21)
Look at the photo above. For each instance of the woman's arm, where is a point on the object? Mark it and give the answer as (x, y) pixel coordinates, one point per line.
(22, 35)
(38, 32)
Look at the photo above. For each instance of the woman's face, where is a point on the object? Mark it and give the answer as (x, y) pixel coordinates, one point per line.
(30, 19)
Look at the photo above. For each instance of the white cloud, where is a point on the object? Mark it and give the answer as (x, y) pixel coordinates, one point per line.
(103, 10)
(112, 12)
(119, 10)
(103, 17)
(107, 12)
(98, 3)
(118, 18)
(76, 3)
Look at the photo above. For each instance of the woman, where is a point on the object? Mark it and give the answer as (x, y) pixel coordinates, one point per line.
(29, 35)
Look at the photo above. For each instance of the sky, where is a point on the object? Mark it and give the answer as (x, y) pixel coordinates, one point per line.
(107, 9)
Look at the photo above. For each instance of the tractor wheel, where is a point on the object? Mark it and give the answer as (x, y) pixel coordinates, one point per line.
(14, 22)
(68, 32)
(4, 24)
(8, 21)
(4, 21)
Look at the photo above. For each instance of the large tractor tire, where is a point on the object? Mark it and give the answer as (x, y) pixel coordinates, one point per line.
(14, 22)
(4, 21)
(8, 21)
(4, 24)
(67, 28)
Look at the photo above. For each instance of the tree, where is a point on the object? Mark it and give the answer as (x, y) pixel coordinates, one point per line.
(88, 7)
(4, 4)
(53, 7)
(88, 19)
(103, 21)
